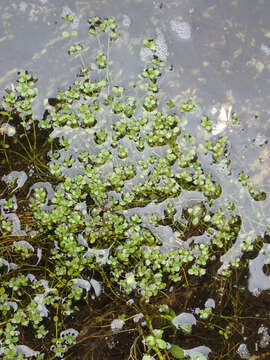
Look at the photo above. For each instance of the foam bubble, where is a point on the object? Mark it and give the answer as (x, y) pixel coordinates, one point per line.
(126, 21)
(117, 324)
(210, 303)
(15, 176)
(26, 351)
(25, 244)
(197, 352)
(5, 262)
(183, 319)
(41, 308)
(16, 229)
(101, 255)
(265, 49)
(8, 129)
(23, 6)
(13, 304)
(31, 277)
(161, 46)
(258, 280)
(39, 255)
(96, 286)
(138, 317)
(145, 53)
(81, 283)
(69, 331)
(243, 351)
(181, 28)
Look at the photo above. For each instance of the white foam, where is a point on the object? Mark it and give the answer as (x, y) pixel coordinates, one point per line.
(13, 304)
(19, 176)
(69, 331)
(117, 324)
(39, 255)
(181, 28)
(224, 120)
(25, 244)
(16, 230)
(184, 319)
(210, 303)
(5, 262)
(8, 129)
(101, 255)
(26, 351)
(161, 46)
(82, 241)
(31, 277)
(258, 280)
(126, 21)
(265, 49)
(197, 352)
(81, 283)
(23, 6)
(41, 308)
(138, 317)
(243, 351)
(96, 286)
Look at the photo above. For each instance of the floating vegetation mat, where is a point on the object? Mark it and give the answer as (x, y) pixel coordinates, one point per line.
(125, 233)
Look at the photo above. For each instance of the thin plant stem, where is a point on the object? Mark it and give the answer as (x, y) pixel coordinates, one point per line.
(14, 152)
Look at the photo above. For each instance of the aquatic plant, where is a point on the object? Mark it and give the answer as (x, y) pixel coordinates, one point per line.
(19, 134)
(131, 206)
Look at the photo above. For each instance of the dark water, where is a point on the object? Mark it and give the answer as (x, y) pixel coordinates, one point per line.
(216, 52)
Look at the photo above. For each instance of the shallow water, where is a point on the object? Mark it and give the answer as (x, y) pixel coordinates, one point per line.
(214, 52)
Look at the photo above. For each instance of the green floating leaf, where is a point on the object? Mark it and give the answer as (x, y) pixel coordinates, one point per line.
(65, 34)
(161, 344)
(68, 18)
(170, 104)
(177, 352)
(75, 48)
(101, 60)
(188, 106)
(150, 44)
(117, 91)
